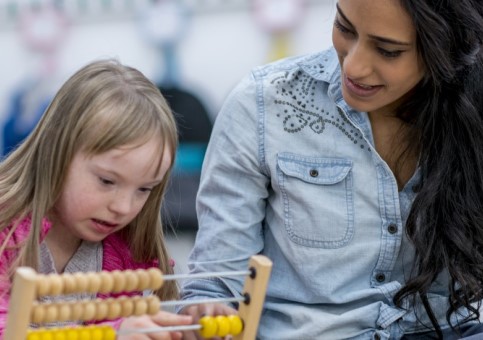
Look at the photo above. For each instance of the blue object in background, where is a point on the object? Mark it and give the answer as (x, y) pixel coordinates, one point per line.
(189, 158)
(21, 119)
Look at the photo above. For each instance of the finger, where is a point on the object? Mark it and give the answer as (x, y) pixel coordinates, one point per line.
(193, 311)
(163, 318)
(190, 335)
(220, 309)
(159, 336)
(197, 312)
(176, 335)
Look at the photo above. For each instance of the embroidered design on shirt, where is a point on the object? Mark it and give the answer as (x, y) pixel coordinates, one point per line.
(297, 94)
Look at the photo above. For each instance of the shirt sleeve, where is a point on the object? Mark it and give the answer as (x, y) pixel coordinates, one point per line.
(231, 199)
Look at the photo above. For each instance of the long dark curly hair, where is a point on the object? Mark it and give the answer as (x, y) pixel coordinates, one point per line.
(446, 220)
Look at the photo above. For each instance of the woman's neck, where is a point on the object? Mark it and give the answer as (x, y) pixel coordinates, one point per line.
(389, 133)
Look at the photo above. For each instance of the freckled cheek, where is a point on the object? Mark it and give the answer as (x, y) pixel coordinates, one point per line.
(138, 206)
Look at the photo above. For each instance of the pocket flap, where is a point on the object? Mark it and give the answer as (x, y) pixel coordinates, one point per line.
(315, 170)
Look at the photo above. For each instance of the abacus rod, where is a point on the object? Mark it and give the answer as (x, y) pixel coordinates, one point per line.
(205, 275)
(200, 302)
(159, 329)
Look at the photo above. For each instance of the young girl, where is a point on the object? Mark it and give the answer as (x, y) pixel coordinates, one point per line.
(359, 172)
(83, 192)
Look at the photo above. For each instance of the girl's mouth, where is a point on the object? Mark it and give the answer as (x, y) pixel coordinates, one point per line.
(103, 227)
(105, 223)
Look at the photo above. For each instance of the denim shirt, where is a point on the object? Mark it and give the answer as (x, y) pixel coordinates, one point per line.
(291, 172)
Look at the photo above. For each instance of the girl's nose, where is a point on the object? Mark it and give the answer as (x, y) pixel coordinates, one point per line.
(122, 203)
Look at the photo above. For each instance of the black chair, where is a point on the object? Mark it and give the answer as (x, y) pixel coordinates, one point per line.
(194, 125)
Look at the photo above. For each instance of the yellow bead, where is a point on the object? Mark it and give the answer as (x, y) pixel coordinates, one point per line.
(236, 324)
(72, 334)
(208, 327)
(47, 335)
(109, 333)
(60, 335)
(223, 325)
(84, 334)
(96, 334)
(33, 336)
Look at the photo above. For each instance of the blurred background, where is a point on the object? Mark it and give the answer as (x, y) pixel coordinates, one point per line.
(194, 50)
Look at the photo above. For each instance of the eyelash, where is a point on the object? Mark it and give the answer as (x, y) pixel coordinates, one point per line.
(341, 27)
(105, 181)
(389, 54)
(108, 182)
(381, 51)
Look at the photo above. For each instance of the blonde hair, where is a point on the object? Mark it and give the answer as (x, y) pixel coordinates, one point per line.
(102, 106)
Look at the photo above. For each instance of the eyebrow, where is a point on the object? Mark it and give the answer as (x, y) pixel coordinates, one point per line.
(373, 37)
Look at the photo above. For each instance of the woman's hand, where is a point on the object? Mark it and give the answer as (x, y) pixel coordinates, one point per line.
(198, 311)
(159, 319)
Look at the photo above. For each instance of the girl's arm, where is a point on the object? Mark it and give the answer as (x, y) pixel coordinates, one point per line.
(10, 242)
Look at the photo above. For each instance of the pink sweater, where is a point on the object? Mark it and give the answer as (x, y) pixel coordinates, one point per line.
(116, 255)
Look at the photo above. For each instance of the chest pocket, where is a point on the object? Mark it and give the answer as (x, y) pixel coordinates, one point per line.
(317, 199)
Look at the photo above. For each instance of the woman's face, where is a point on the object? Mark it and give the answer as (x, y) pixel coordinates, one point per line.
(376, 44)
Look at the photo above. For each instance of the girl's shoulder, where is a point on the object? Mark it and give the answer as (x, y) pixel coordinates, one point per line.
(22, 231)
(117, 255)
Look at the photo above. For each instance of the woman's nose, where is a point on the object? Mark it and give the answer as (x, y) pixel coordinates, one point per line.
(358, 62)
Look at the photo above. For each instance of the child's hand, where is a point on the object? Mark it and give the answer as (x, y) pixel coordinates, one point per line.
(198, 311)
(162, 318)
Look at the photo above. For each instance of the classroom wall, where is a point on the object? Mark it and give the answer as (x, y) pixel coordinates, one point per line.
(217, 49)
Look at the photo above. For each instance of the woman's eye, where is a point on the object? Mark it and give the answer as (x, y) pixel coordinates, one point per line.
(389, 54)
(341, 27)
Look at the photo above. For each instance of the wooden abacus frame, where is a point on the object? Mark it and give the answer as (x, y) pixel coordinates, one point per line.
(29, 286)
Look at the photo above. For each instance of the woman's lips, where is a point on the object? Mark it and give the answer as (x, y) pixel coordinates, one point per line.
(361, 90)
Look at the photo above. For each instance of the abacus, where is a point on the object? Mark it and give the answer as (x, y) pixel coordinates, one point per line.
(28, 286)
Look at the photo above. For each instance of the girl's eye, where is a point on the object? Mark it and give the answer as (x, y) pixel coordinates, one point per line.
(146, 190)
(341, 27)
(105, 181)
(389, 54)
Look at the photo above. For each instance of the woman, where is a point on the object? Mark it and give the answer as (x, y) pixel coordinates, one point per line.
(358, 171)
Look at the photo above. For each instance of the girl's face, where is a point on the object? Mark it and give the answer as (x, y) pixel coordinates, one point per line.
(105, 192)
(376, 44)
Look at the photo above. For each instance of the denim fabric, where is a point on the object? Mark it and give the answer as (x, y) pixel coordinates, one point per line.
(291, 172)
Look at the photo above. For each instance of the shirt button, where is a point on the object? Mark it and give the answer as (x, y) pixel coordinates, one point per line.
(380, 277)
(313, 173)
(392, 228)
